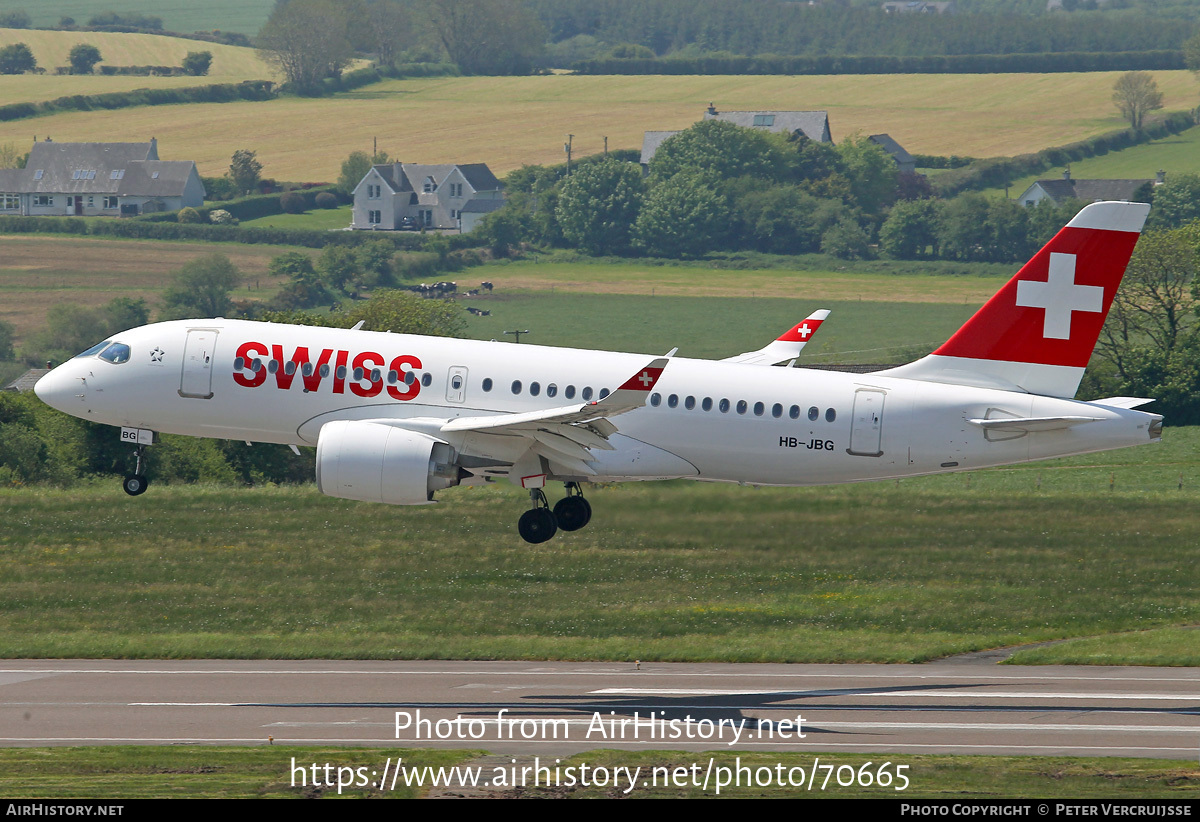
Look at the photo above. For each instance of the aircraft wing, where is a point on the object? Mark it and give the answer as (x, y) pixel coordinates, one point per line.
(788, 346)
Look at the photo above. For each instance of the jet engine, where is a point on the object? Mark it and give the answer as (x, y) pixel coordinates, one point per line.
(372, 462)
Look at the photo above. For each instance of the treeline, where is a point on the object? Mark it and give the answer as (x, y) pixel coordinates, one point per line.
(885, 64)
(215, 93)
(750, 27)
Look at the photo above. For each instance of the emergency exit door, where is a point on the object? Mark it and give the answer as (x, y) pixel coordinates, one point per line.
(866, 435)
(198, 351)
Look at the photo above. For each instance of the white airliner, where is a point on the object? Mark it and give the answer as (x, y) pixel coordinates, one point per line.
(396, 417)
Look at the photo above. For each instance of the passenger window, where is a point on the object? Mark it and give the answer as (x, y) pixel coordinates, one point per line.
(307, 368)
(534, 389)
(393, 377)
(776, 410)
(707, 404)
(656, 399)
(551, 390)
(604, 392)
(570, 392)
(742, 406)
(758, 409)
(289, 367)
(587, 392)
(358, 373)
(426, 379)
(341, 371)
(689, 403)
(516, 387)
(830, 415)
(410, 377)
(794, 412)
(257, 365)
(273, 366)
(673, 400)
(813, 413)
(723, 405)
(324, 369)
(487, 384)
(239, 363)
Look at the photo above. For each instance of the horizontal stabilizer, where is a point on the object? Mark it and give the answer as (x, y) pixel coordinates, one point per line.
(1032, 423)
(1124, 402)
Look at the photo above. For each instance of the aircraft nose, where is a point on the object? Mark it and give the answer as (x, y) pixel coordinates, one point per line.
(58, 390)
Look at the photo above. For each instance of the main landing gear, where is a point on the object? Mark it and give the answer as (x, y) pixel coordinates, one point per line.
(540, 523)
(137, 482)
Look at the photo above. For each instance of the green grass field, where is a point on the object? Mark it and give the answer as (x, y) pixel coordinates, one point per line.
(185, 16)
(903, 571)
(1178, 154)
(222, 772)
(317, 219)
(508, 121)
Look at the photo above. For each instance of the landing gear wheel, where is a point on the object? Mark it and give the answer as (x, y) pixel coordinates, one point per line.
(537, 525)
(572, 513)
(135, 484)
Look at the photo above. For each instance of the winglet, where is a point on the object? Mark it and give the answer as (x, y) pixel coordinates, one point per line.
(787, 346)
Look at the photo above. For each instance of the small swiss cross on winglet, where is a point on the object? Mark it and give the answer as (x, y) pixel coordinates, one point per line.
(645, 378)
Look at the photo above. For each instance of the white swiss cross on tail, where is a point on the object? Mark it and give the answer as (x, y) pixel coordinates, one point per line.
(1060, 296)
(1038, 331)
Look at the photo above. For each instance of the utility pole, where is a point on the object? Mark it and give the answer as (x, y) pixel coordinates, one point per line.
(606, 145)
(567, 148)
(518, 334)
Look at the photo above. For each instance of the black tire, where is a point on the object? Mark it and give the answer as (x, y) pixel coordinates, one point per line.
(572, 513)
(135, 484)
(537, 525)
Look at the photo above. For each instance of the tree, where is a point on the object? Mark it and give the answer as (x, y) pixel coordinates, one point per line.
(684, 216)
(910, 230)
(1191, 53)
(339, 268)
(7, 332)
(355, 167)
(18, 19)
(201, 289)
(245, 170)
(1176, 202)
(488, 36)
(872, 173)
(1136, 94)
(847, 240)
(307, 40)
(83, 58)
(392, 27)
(598, 205)
(10, 157)
(197, 63)
(402, 312)
(304, 289)
(718, 147)
(17, 59)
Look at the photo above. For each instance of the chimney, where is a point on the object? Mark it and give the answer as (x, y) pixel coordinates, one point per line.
(1067, 173)
(1160, 177)
(153, 149)
(712, 110)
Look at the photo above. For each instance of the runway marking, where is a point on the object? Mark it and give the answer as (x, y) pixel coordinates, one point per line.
(897, 694)
(607, 744)
(992, 676)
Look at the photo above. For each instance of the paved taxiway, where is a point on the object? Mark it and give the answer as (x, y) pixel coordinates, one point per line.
(945, 707)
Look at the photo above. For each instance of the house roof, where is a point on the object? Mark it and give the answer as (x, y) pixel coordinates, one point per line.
(893, 148)
(26, 381)
(1090, 190)
(814, 124)
(482, 206)
(411, 176)
(128, 169)
(651, 140)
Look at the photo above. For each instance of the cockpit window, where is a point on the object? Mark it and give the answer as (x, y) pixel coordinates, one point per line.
(95, 349)
(116, 353)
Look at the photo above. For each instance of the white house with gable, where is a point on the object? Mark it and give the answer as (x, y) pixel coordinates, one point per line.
(396, 196)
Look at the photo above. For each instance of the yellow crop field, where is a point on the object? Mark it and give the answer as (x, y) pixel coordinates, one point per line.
(508, 121)
(230, 64)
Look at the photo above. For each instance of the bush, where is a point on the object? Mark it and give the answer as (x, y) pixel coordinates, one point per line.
(188, 215)
(326, 200)
(293, 202)
(220, 216)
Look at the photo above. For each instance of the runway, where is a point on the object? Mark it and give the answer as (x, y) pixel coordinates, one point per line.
(560, 708)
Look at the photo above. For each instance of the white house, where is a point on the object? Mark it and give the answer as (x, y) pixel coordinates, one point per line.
(410, 195)
(812, 124)
(98, 179)
(1087, 191)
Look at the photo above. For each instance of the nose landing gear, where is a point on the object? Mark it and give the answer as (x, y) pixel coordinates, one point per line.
(136, 483)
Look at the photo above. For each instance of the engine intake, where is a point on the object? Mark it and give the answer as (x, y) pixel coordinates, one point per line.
(371, 462)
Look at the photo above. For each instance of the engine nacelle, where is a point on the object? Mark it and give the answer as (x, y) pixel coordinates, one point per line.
(380, 463)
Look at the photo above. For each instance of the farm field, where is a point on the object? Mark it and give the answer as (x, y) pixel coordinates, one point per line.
(1178, 154)
(510, 121)
(185, 16)
(903, 571)
(231, 64)
(317, 219)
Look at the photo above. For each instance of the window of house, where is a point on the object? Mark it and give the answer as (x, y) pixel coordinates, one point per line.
(765, 120)
(9, 202)
(430, 185)
(374, 217)
(37, 175)
(43, 200)
(116, 174)
(110, 202)
(456, 189)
